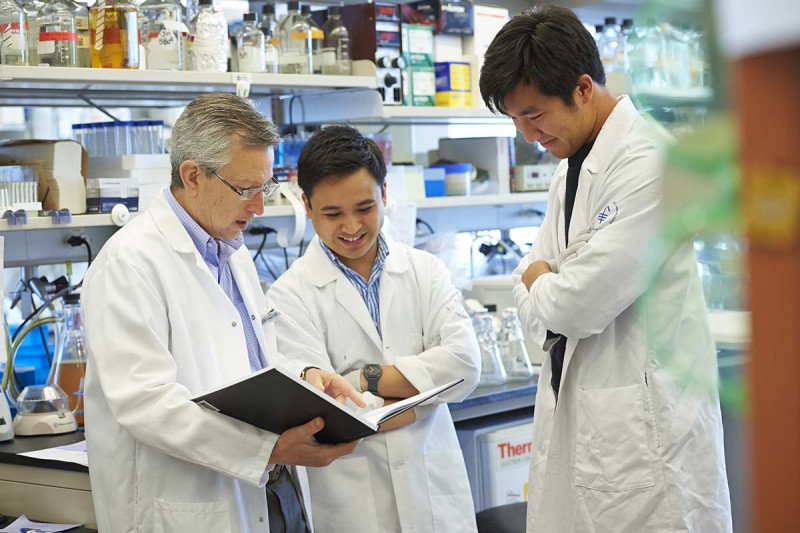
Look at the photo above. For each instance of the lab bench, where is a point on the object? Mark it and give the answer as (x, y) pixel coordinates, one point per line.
(56, 491)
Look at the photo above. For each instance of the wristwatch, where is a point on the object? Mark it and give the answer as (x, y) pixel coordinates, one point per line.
(372, 373)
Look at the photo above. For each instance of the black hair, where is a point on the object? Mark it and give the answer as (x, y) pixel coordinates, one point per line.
(337, 152)
(545, 46)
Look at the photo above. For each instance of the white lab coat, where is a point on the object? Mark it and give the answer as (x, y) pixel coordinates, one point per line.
(629, 447)
(414, 474)
(160, 330)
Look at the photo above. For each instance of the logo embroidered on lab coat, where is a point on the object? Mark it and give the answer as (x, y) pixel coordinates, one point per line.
(606, 216)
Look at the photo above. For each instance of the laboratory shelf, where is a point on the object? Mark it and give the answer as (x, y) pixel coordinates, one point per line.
(60, 86)
(482, 200)
(485, 401)
(667, 97)
(440, 115)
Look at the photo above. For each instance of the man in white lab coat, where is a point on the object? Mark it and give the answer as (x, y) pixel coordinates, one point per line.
(173, 308)
(621, 444)
(388, 318)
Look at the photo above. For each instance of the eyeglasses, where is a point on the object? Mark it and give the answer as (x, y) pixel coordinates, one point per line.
(248, 194)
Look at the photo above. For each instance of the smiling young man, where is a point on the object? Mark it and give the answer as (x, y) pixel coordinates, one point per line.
(388, 318)
(621, 443)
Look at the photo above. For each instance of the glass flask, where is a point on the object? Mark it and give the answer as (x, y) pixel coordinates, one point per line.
(114, 34)
(58, 37)
(208, 47)
(317, 39)
(162, 25)
(492, 370)
(14, 48)
(81, 11)
(335, 57)
(269, 28)
(250, 46)
(295, 46)
(69, 365)
(31, 8)
(513, 352)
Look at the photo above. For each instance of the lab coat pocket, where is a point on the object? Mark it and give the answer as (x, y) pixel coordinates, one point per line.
(449, 492)
(611, 445)
(343, 498)
(182, 517)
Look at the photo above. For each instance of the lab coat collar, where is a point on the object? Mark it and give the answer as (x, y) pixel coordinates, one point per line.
(323, 271)
(168, 224)
(618, 123)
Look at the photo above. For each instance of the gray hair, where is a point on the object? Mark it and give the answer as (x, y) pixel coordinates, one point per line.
(204, 131)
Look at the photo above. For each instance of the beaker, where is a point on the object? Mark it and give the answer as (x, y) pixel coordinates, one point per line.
(69, 365)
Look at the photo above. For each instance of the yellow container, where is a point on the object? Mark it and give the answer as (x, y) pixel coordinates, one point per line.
(453, 99)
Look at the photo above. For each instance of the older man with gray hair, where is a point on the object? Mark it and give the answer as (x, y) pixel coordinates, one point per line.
(173, 308)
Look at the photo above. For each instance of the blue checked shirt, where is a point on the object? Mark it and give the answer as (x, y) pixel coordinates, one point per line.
(369, 290)
(216, 253)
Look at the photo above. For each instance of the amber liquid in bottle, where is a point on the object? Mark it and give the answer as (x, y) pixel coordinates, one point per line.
(69, 377)
(119, 47)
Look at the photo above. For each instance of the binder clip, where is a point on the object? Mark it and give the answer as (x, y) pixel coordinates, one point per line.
(60, 216)
(16, 218)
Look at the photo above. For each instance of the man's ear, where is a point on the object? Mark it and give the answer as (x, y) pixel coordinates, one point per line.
(584, 91)
(190, 176)
(307, 203)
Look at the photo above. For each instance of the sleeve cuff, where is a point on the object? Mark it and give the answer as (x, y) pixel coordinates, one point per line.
(354, 379)
(415, 372)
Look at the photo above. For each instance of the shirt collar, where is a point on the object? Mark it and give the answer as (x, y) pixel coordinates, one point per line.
(210, 249)
(377, 266)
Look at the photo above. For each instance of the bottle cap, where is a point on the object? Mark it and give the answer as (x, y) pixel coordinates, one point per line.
(249, 17)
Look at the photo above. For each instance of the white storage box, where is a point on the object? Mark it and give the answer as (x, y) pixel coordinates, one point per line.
(506, 457)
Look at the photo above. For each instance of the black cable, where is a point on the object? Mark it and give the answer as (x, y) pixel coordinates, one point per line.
(44, 340)
(423, 223)
(264, 233)
(285, 258)
(46, 303)
(300, 249)
(20, 384)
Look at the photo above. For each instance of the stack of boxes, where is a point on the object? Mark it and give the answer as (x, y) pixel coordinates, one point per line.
(419, 76)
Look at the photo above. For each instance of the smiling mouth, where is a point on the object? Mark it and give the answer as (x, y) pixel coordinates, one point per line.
(547, 143)
(352, 241)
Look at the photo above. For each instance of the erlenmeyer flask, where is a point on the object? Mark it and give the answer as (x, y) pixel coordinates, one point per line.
(492, 371)
(512, 347)
(69, 364)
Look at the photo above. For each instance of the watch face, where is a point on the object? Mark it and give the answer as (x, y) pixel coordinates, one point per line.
(372, 370)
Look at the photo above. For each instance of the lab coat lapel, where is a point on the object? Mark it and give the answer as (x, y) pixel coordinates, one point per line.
(347, 296)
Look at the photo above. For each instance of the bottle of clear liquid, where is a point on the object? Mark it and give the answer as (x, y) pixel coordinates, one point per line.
(58, 37)
(69, 364)
(317, 39)
(269, 26)
(115, 34)
(336, 52)
(162, 26)
(31, 8)
(14, 47)
(608, 45)
(624, 44)
(250, 46)
(492, 370)
(513, 352)
(84, 33)
(208, 49)
(296, 49)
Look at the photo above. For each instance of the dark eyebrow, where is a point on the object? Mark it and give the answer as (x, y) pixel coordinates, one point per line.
(359, 204)
(529, 111)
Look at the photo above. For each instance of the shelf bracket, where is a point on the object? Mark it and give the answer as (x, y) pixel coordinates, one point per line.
(99, 108)
(16, 218)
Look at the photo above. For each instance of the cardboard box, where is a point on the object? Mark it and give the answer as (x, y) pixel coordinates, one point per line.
(421, 86)
(453, 84)
(104, 193)
(62, 180)
(488, 21)
(447, 16)
(453, 99)
(417, 45)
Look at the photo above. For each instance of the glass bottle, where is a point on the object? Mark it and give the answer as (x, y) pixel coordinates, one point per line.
(31, 8)
(208, 49)
(250, 46)
(84, 34)
(114, 34)
(162, 25)
(69, 364)
(608, 44)
(269, 26)
(513, 352)
(296, 50)
(317, 39)
(58, 37)
(335, 56)
(492, 370)
(14, 49)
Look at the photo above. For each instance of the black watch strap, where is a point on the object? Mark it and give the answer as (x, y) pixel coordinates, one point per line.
(372, 373)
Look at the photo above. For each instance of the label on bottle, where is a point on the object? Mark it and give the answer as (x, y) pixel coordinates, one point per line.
(110, 36)
(251, 59)
(82, 23)
(328, 57)
(163, 50)
(293, 62)
(13, 41)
